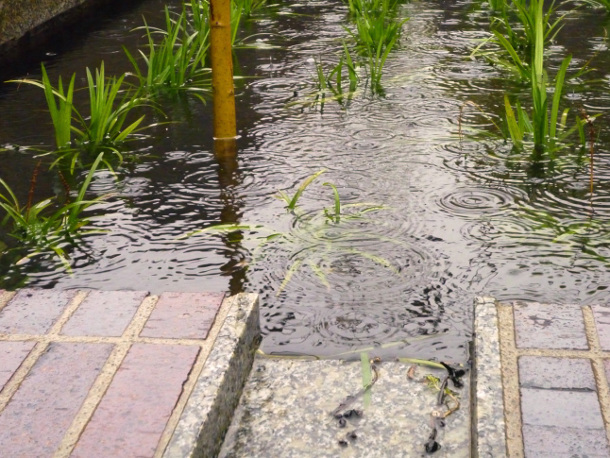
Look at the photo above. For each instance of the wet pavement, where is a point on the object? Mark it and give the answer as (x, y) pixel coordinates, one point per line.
(94, 373)
(120, 373)
(555, 366)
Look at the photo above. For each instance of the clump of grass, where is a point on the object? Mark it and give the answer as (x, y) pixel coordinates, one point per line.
(46, 226)
(547, 127)
(511, 47)
(314, 237)
(377, 32)
(106, 126)
(339, 81)
(175, 57)
(248, 7)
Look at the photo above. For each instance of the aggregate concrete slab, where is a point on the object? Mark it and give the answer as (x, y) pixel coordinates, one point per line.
(287, 405)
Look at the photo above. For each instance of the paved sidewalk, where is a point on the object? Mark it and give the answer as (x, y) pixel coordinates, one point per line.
(553, 371)
(115, 373)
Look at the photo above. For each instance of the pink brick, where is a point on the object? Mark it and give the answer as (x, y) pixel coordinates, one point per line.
(104, 313)
(602, 323)
(33, 311)
(12, 355)
(37, 417)
(549, 326)
(134, 411)
(183, 315)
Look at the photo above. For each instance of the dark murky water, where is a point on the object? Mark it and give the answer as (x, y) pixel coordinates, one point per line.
(463, 218)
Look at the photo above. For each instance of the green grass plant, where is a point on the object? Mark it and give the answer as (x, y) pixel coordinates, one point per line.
(248, 7)
(341, 81)
(314, 238)
(547, 125)
(376, 32)
(512, 46)
(175, 57)
(45, 226)
(106, 126)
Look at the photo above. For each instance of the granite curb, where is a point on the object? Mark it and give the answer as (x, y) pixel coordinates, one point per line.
(209, 409)
(488, 404)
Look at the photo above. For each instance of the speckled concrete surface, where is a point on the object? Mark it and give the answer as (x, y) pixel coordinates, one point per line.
(488, 415)
(17, 17)
(286, 408)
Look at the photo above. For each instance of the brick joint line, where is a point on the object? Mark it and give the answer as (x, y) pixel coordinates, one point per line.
(510, 380)
(104, 379)
(599, 372)
(20, 374)
(5, 297)
(39, 349)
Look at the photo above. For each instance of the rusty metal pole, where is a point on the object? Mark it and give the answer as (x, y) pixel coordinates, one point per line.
(222, 70)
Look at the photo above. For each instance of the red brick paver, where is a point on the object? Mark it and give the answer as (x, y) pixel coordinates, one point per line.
(602, 324)
(12, 355)
(183, 315)
(33, 311)
(104, 313)
(95, 387)
(133, 413)
(543, 326)
(42, 409)
(553, 359)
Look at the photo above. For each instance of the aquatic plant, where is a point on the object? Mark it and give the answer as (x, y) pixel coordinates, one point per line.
(512, 47)
(45, 226)
(313, 238)
(177, 61)
(247, 7)
(361, 7)
(335, 80)
(104, 128)
(377, 32)
(547, 126)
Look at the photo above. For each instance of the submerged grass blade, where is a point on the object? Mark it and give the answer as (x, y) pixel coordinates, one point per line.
(367, 378)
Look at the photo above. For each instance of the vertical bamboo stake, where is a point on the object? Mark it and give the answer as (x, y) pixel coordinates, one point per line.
(222, 69)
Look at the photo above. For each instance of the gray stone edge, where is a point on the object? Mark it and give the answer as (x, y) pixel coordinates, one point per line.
(209, 410)
(488, 408)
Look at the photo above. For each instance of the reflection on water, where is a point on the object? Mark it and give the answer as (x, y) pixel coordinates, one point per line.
(472, 217)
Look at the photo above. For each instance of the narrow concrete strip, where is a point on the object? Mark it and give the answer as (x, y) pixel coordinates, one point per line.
(209, 409)
(510, 381)
(189, 386)
(288, 410)
(488, 415)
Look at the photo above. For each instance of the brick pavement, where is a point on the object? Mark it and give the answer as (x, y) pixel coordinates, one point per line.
(555, 371)
(98, 373)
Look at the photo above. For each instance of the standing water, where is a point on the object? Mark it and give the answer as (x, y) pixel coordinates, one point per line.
(461, 217)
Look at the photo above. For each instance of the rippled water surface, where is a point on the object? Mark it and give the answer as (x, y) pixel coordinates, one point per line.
(461, 217)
